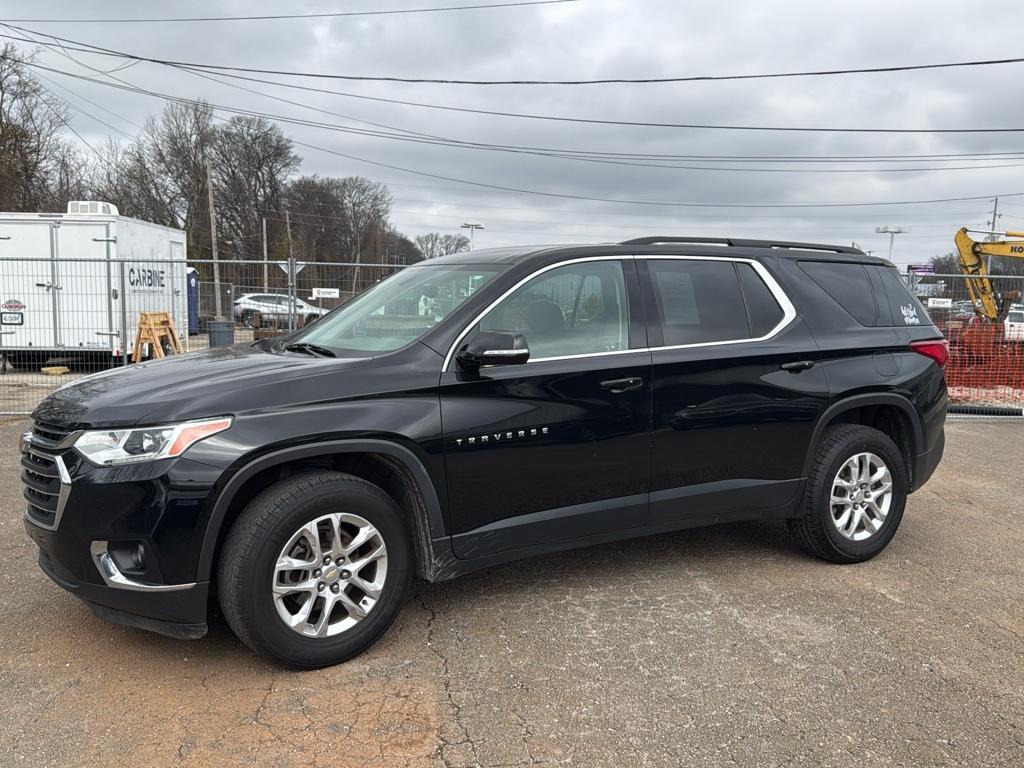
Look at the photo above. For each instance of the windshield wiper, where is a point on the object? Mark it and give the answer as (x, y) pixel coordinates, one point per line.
(309, 349)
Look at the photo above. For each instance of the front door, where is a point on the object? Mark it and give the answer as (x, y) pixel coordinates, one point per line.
(557, 448)
(738, 388)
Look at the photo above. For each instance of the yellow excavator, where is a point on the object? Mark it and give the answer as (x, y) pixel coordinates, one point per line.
(988, 304)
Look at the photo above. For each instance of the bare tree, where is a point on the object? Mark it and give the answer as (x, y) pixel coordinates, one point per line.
(367, 206)
(434, 244)
(161, 176)
(37, 166)
(252, 160)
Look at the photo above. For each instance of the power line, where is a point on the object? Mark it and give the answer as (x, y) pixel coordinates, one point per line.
(454, 143)
(454, 81)
(277, 17)
(618, 201)
(555, 118)
(934, 157)
(659, 203)
(939, 157)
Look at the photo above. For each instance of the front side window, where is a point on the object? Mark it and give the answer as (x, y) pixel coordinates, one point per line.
(577, 309)
(398, 310)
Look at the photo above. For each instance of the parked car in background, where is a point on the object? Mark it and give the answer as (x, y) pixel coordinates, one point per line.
(1013, 326)
(273, 307)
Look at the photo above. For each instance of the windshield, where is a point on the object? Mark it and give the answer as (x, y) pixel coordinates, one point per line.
(397, 310)
(1016, 317)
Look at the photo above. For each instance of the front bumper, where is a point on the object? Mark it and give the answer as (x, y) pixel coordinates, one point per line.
(179, 612)
(124, 539)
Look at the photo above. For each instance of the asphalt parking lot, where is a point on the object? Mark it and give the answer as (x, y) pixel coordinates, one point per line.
(716, 647)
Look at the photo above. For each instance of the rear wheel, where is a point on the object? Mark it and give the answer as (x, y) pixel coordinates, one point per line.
(315, 569)
(856, 492)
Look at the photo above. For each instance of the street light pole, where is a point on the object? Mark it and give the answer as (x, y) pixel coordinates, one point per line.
(891, 232)
(472, 230)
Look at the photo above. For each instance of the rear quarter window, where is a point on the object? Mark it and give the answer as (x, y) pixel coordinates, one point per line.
(906, 309)
(849, 286)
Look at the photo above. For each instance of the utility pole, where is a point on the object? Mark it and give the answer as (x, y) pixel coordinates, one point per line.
(357, 234)
(218, 309)
(472, 230)
(992, 236)
(266, 282)
(291, 272)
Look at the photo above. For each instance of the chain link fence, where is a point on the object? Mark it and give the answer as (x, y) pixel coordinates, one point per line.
(986, 359)
(64, 319)
(61, 319)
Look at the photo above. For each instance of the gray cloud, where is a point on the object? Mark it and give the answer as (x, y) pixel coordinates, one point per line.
(600, 38)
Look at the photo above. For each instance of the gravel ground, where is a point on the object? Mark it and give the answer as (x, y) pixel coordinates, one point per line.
(717, 647)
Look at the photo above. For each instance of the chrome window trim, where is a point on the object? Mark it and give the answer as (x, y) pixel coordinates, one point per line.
(465, 331)
(788, 310)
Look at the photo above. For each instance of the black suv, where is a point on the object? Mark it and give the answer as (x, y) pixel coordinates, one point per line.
(483, 407)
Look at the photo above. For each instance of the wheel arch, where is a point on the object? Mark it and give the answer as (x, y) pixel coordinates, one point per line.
(367, 458)
(878, 410)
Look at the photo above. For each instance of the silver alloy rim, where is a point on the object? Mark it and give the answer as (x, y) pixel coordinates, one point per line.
(329, 575)
(861, 496)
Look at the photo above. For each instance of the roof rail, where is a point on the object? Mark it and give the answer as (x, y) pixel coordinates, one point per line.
(736, 243)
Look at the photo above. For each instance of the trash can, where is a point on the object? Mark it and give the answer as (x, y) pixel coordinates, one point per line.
(222, 332)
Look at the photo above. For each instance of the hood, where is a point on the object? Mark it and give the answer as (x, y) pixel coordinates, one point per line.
(213, 382)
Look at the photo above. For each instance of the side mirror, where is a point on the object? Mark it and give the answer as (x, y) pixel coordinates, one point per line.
(494, 348)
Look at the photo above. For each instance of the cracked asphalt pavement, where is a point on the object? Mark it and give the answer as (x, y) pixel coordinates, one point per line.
(715, 647)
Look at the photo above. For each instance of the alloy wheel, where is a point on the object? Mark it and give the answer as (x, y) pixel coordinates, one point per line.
(329, 575)
(861, 496)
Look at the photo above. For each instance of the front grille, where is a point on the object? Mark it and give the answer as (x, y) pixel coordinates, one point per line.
(40, 474)
(47, 435)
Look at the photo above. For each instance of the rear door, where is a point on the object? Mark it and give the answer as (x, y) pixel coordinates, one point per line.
(557, 448)
(737, 389)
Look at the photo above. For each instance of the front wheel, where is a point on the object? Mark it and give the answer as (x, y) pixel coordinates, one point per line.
(315, 569)
(856, 492)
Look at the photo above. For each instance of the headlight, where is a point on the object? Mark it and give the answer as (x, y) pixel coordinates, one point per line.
(105, 447)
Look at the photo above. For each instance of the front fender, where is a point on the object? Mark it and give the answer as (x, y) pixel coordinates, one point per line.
(429, 531)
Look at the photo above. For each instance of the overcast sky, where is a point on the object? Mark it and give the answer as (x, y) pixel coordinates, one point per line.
(609, 38)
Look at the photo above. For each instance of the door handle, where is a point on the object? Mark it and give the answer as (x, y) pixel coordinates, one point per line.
(799, 365)
(618, 386)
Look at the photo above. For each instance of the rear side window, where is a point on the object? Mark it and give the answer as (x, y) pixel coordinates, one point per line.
(848, 284)
(764, 311)
(906, 309)
(702, 302)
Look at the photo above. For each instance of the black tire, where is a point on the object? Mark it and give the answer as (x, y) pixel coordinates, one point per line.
(247, 318)
(814, 529)
(258, 536)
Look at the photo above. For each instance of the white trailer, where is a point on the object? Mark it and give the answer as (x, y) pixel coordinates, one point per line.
(72, 284)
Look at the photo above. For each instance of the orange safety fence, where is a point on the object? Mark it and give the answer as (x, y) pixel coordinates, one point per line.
(984, 368)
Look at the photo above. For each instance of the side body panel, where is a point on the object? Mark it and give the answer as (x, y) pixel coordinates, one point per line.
(868, 366)
(538, 452)
(731, 426)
